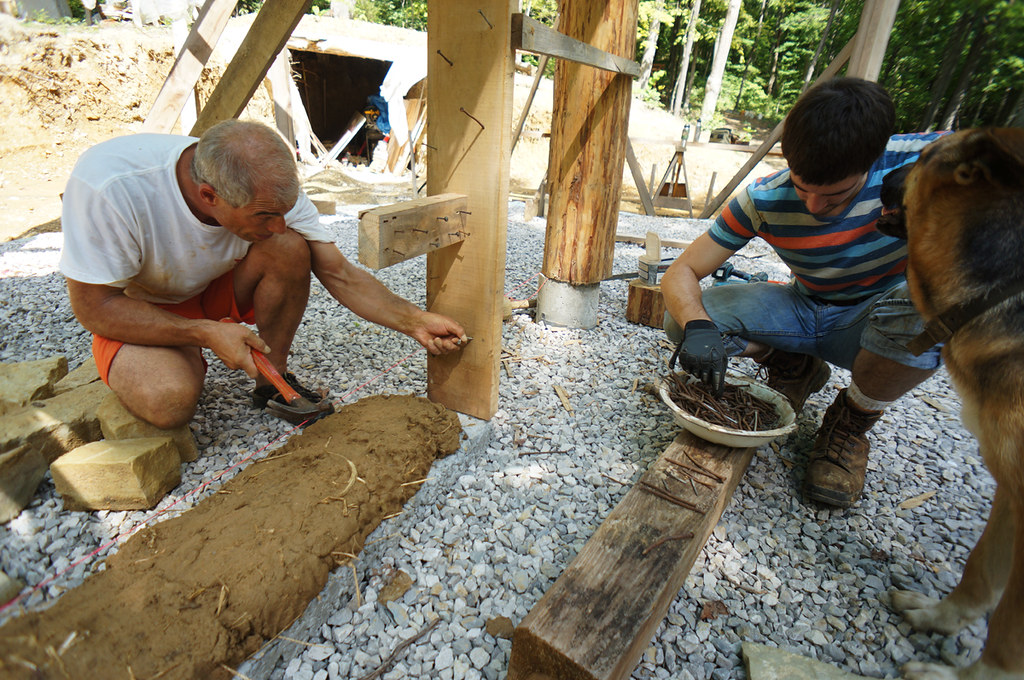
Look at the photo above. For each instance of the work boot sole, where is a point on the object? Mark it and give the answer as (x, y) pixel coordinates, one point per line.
(830, 497)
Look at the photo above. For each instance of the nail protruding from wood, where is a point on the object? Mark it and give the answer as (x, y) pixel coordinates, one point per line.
(489, 24)
(477, 120)
(441, 54)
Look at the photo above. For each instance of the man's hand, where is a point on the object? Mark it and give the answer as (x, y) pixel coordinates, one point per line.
(702, 354)
(438, 333)
(232, 342)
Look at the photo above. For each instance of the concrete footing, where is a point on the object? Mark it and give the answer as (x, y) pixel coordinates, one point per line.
(569, 305)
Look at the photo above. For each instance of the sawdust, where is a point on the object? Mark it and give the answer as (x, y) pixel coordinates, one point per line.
(211, 586)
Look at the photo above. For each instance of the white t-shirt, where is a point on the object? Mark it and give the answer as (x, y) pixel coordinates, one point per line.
(126, 223)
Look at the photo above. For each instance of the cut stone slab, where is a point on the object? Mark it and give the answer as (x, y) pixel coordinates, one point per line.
(131, 474)
(83, 375)
(27, 381)
(21, 470)
(771, 663)
(57, 425)
(9, 588)
(116, 422)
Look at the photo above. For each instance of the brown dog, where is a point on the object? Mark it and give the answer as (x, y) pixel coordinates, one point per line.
(963, 212)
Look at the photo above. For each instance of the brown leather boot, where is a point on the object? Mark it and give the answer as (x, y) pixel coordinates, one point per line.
(796, 376)
(839, 460)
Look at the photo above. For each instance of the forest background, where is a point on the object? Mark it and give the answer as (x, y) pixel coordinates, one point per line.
(950, 64)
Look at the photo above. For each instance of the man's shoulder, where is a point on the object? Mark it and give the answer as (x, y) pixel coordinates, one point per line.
(129, 154)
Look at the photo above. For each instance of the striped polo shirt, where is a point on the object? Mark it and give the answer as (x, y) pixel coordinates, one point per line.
(841, 258)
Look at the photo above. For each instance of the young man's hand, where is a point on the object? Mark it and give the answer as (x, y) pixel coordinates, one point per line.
(702, 354)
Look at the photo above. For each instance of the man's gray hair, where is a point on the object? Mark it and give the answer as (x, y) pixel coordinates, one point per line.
(240, 159)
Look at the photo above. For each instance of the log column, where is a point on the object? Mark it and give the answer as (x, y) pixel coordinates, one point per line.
(589, 128)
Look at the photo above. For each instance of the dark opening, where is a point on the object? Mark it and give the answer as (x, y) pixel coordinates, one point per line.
(333, 88)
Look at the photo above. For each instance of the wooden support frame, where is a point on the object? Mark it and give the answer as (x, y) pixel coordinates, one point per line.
(395, 233)
(469, 119)
(266, 37)
(597, 619)
(531, 35)
(188, 66)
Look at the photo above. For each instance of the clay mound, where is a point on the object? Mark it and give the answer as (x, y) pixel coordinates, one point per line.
(196, 594)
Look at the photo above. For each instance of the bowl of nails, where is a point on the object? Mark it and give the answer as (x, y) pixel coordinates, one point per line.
(748, 413)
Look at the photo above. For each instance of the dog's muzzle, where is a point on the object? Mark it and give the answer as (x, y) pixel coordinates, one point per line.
(891, 221)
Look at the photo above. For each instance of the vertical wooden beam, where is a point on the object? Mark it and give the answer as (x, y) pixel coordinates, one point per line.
(589, 128)
(266, 37)
(469, 118)
(872, 38)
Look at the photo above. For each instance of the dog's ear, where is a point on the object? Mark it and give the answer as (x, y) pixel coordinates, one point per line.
(995, 155)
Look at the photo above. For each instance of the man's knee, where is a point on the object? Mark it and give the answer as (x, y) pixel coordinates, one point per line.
(160, 385)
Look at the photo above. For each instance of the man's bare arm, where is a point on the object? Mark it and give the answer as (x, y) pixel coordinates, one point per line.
(107, 311)
(370, 299)
(681, 283)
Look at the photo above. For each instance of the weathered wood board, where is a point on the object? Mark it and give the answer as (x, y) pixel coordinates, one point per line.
(394, 233)
(596, 620)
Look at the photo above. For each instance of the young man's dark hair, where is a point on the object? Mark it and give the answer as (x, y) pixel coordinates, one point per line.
(837, 129)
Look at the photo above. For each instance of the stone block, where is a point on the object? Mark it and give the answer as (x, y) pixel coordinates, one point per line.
(21, 470)
(57, 425)
(27, 381)
(83, 375)
(116, 422)
(9, 588)
(131, 474)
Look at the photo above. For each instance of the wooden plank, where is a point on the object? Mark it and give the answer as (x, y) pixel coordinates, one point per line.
(715, 146)
(597, 619)
(266, 37)
(187, 68)
(394, 233)
(278, 81)
(638, 178)
(872, 38)
(640, 240)
(469, 118)
(774, 136)
(531, 35)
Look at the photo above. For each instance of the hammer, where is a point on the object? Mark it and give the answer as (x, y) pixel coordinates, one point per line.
(727, 270)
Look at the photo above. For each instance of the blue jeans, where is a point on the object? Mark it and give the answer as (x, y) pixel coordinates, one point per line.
(781, 317)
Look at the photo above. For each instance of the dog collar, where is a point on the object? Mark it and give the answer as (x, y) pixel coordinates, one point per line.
(941, 328)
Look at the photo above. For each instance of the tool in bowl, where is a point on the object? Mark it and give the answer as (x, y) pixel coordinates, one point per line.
(298, 409)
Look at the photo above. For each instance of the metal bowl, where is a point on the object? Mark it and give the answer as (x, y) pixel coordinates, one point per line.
(729, 436)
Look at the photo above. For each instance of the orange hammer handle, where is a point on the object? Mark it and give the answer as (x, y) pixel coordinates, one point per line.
(268, 371)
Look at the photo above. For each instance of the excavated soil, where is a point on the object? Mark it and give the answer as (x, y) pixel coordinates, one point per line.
(195, 595)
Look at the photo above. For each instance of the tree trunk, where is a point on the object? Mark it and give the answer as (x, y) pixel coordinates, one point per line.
(1016, 116)
(954, 49)
(647, 62)
(718, 62)
(750, 53)
(589, 126)
(773, 71)
(691, 29)
(809, 76)
(973, 57)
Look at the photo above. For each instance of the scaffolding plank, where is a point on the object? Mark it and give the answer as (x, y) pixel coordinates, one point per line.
(394, 233)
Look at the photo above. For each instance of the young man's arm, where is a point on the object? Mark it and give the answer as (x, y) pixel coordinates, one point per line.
(358, 290)
(108, 312)
(680, 285)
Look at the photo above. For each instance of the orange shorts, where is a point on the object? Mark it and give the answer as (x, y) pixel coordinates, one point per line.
(216, 302)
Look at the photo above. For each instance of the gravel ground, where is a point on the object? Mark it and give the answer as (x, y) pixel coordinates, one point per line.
(508, 522)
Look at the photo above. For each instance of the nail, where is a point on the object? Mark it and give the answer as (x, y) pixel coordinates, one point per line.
(473, 117)
(450, 63)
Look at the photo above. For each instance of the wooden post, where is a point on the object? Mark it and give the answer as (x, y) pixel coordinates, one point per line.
(469, 118)
(266, 37)
(596, 620)
(588, 144)
(876, 20)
